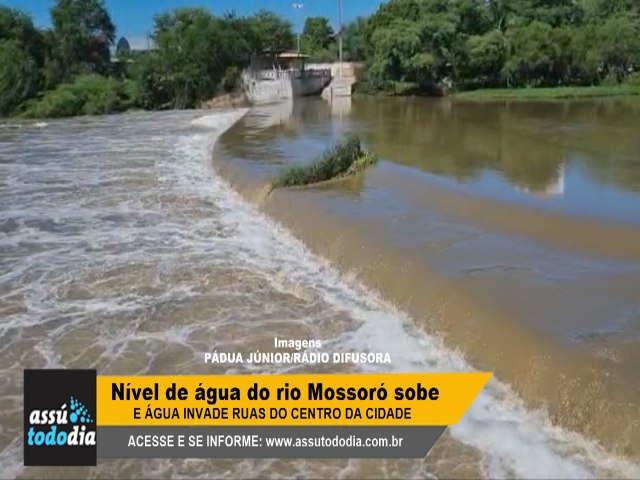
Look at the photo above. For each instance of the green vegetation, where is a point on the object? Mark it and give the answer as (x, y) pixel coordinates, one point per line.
(320, 42)
(344, 159)
(87, 95)
(68, 70)
(428, 45)
(20, 78)
(555, 93)
(317, 40)
(406, 47)
(61, 71)
(217, 48)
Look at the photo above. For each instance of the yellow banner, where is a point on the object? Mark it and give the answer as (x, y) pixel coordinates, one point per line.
(287, 400)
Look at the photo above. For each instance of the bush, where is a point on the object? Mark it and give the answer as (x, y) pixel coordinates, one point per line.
(99, 94)
(87, 95)
(326, 55)
(130, 94)
(231, 79)
(345, 158)
(20, 78)
(60, 102)
(633, 79)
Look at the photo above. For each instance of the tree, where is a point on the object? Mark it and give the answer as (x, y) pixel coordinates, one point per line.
(618, 45)
(22, 55)
(20, 78)
(271, 32)
(68, 66)
(491, 43)
(531, 54)
(354, 39)
(554, 12)
(83, 32)
(187, 63)
(473, 16)
(422, 42)
(199, 54)
(398, 54)
(240, 38)
(486, 55)
(317, 35)
(15, 25)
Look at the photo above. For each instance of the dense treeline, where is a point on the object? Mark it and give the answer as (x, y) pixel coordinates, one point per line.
(422, 45)
(498, 43)
(68, 70)
(198, 53)
(69, 59)
(405, 46)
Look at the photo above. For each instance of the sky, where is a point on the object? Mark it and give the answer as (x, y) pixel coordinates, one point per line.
(134, 18)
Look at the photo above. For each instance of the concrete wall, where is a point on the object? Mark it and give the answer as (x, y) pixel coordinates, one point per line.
(271, 86)
(310, 85)
(348, 68)
(270, 89)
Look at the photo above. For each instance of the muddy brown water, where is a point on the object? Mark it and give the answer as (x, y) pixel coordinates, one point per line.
(123, 250)
(510, 229)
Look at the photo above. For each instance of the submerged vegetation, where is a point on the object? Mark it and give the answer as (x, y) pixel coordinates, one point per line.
(342, 160)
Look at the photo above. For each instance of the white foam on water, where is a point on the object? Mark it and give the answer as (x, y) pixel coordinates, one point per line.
(513, 440)
(218, 122)
(139, 203)
(23, 125)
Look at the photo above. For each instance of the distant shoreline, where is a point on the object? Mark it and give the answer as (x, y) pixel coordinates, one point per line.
(548, 93)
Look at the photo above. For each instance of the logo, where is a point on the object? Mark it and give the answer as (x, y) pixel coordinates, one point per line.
(59, 417)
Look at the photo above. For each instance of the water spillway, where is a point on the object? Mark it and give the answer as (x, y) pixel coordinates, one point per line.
(123, 250)
(523, 300)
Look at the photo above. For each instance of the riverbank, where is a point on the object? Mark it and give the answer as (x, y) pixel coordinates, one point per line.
(551, 93)
(407, 89)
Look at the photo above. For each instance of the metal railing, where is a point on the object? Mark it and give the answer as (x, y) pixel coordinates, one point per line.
(276, 74)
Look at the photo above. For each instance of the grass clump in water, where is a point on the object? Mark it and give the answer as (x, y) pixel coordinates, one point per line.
(344, 159)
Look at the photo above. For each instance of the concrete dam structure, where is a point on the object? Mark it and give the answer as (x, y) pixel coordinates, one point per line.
(277, 77)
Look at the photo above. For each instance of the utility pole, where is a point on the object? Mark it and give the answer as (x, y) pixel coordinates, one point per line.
(298, 6)
(340, 36)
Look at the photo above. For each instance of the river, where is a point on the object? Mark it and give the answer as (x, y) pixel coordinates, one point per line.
(127, 249)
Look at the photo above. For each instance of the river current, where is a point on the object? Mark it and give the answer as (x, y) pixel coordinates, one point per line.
(122, 250)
